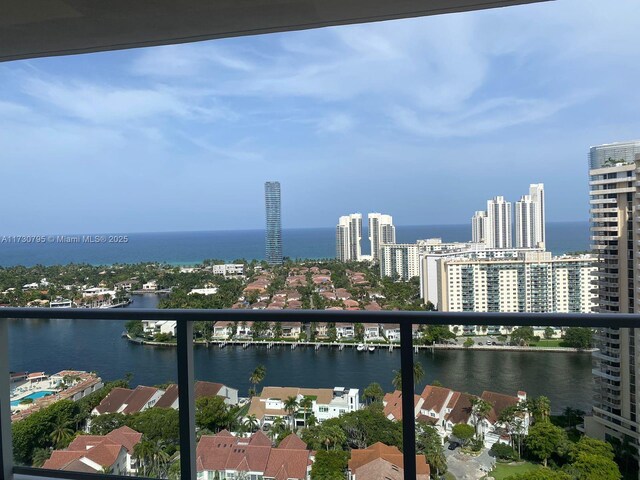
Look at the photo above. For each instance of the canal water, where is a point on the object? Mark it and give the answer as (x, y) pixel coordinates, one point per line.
(97, 345)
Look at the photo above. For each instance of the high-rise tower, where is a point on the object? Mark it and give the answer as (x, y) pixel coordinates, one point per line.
(348, 237)
(381, 231)
(273, 236)
(479, 227)
(613, 170)
(498, 231)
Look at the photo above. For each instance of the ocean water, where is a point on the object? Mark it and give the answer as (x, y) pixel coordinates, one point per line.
(193, 247)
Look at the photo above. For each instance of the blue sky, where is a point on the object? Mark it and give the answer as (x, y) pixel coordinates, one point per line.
(423, 119)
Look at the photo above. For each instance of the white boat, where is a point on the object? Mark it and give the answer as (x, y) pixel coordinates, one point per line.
(371, 349)
(361, 347)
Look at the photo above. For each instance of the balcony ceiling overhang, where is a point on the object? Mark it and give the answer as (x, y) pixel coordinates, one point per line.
(40, 28)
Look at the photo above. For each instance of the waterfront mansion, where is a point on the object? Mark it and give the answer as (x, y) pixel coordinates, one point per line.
(444, 408)
(325, 403)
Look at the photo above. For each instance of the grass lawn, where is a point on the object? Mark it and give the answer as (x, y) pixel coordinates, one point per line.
(552, 342)
(503, 470)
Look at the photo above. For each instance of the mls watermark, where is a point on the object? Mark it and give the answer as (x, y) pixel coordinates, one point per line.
(64, 239)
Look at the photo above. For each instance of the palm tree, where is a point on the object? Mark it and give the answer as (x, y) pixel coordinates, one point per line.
(418, 375)
(40, 455)
(306, 404)
(61, 432)
(143, 452)
(257, 376)
(479, 410)
(277, 427)
(291, 407)
(540, 408)
(251, 423)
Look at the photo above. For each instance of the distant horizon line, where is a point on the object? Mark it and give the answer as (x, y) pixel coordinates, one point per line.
(245, 229)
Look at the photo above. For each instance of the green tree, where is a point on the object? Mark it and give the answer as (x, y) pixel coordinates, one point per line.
(157, 424)
(578, 337)
(544, 440)
(436, 334)
(373, 393)
(468, 343)
(291, 407)
(590, 446)
(540, 408)
(358, 329)
(61, 432)
(212, 413)
(463, 431)
(429, 444)
(522, 335)
(418, 375)
(306, 405)
(479, 410)
(257, 376)
(329, 465)
(108, 422)
(41, 455)
(589, 466)
(548, 333)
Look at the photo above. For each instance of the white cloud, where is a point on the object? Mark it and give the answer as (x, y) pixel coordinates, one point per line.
(336, 123)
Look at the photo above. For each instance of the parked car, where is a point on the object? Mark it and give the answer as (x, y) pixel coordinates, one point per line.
(453, 445)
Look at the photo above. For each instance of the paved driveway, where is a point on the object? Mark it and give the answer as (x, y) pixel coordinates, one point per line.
(467, 467)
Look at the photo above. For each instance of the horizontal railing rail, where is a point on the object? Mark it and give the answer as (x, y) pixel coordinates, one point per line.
(185, 366)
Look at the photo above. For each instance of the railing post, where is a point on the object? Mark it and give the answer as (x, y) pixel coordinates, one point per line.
(186, 393)
(6, 448)
(408, 419)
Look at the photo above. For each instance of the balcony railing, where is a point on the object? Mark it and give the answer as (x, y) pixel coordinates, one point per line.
(185, 362)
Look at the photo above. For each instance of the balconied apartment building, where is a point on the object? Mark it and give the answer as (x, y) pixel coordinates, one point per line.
(400, 260)
(614, 211)
(381, 230)
(533, 282)
(348, 237)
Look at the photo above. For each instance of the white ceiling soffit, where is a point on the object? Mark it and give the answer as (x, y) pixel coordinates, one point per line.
(40, 28)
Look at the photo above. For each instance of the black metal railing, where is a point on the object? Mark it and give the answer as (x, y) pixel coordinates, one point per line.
(185, 319)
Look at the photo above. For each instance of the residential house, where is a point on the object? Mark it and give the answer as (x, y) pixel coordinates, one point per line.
(254, 458)
(150, 286)
(383, 462)
(98, 453)
(169, 398)
(345, 330)
(392, 405)
(325, 403)
(391, 332)
(153, 327)
(127, 401)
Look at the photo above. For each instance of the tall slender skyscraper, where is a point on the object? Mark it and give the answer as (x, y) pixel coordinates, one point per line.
(273, 237)
(479, 227)
(498, 231)
(348, 237)
(614, 206)
(381, 230)
(524, 222)
(530, 218)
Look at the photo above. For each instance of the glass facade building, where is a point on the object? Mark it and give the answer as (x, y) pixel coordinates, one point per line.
(273, 235)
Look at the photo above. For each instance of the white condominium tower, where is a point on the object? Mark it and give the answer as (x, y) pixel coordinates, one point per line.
(348, 236)
(479, 227)
(381, 230)
(498, 231)
(530, 228)
(614, 212)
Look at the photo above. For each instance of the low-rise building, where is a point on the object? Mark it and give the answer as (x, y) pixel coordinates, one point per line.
(226, 456)
(127, 401)
(98, 453)
(169, 398)
(228, 270)
(444, 408)
(153, 327)
(325, 403)
(382, 462)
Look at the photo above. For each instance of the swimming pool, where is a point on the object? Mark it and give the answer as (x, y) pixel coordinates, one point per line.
(33, 396)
